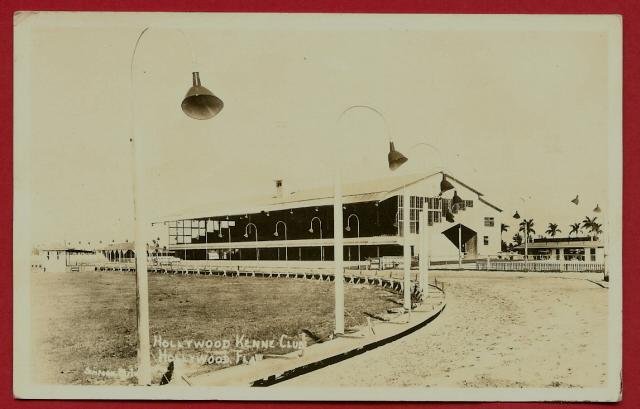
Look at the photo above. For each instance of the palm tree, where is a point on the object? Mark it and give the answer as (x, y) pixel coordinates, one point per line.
(596, 229)
(588, 222)
(592, 226)
(553, 230)
(575, 228)
(517, 238)
(503, 229)
(529, 227)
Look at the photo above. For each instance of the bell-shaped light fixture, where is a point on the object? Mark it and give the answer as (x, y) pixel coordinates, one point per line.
(449, 217)
(311, 230)
(348, 228)
(275, 234)
(395, 158)
(516, 215)
(576, 200)
(200, 103)
(597, 209)
(445, 184)
(246, 235)
(456, 200)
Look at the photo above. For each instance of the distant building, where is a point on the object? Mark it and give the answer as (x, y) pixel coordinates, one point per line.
(565, 249)
(124, 252)
(118, 252)
(299, 225)
(59, 259)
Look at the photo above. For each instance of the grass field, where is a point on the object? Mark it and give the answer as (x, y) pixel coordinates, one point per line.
(88, 320)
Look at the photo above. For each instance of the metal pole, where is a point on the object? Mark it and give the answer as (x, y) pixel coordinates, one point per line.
(424, 255)
(358, 220)
(460, 246)
(526, 240)
(406, 250)
(321, 247)
(338, 248)
(142, 284)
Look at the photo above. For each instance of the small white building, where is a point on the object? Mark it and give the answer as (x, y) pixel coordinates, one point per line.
(586, 249)
(59, 259)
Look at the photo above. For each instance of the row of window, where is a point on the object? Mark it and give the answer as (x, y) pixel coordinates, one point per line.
(184, 231)
(435, 207)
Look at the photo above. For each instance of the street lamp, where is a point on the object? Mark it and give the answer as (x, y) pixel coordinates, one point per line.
(247, 230)
(456, 201)
(348, 228)
(311, 231)
(605, 277)
(526, 235)
(199, 103)
(395, 159)
(286, 249)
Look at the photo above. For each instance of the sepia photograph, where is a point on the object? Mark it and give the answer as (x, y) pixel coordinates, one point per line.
(363, 207)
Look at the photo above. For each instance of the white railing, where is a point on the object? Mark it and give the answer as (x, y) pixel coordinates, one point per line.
(540, 265)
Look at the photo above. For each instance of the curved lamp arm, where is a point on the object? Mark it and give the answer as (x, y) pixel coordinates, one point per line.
(285, 227)
(428, 145)
(367, 107)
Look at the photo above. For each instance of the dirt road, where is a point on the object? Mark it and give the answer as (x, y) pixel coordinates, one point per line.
(498, 330)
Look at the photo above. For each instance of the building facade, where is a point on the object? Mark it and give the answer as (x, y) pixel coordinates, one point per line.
(586, 249)
(298, 226)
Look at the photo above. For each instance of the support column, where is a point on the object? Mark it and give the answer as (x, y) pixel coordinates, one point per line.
(459, 246)
(406, 249)
(424, 254)
(338, 248)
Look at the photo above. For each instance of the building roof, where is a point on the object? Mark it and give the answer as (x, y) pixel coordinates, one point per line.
(371, 190)
(117, 246)
(561, 242)
(68, 249)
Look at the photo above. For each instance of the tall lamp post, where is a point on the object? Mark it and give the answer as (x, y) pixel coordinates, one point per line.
(348, 228)
(286, 247)
(526, 235)
(198, 103)
(395, 159)
(247, 230)
(605, 246)
(311, 231)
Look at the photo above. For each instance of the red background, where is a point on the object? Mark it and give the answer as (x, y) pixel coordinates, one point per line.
(631, 80)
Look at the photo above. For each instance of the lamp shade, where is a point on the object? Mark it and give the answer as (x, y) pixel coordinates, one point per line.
(445, 184)
(456, 200)
(200, 103)
(516, 215)
(576, 200)
(597, 209)
(449, 216)
(395, 158)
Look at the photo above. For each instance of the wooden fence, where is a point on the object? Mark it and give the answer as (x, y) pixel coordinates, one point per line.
(570, 266)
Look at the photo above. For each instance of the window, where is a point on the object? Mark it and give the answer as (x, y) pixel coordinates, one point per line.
(486, 240)
(432, 205)
(489, 222)
(468, 203)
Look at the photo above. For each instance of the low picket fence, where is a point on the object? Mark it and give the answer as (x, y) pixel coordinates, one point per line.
(521, 265)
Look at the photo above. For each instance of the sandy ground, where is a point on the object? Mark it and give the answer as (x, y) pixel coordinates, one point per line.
(498, 330)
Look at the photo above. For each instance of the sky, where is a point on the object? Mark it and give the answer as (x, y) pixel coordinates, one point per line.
(518, 108)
